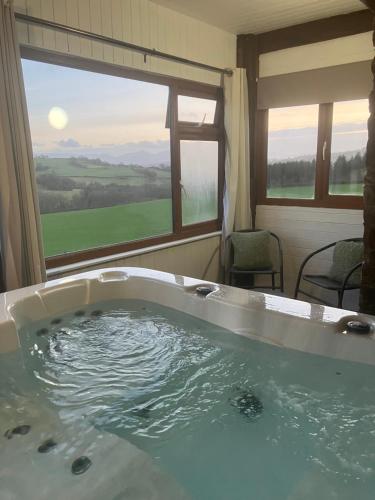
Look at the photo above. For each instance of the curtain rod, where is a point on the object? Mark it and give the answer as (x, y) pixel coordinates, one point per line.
(119, 43)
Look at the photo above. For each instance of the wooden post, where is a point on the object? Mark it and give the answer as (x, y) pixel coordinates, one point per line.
(248, 58)
(367, 293)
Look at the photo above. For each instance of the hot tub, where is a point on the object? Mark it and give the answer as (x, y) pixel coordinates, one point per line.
(132, 383)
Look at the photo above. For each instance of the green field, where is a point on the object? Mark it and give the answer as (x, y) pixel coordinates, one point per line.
(307, 192)
(78, 230)
(87, 203)
(84, 170)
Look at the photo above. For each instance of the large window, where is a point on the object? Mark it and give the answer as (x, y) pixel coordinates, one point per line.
(120, 159)
(313, 155)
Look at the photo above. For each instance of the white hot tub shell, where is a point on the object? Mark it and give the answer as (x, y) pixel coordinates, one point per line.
(118, 464)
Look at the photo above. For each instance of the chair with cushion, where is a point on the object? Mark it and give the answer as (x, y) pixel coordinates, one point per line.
(250, 256)
(345, 272)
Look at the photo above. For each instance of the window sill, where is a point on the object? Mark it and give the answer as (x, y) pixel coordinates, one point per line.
(57, 271)
(344, 202)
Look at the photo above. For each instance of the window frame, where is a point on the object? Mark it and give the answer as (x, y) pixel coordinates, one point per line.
(322, 198)
(178, 131)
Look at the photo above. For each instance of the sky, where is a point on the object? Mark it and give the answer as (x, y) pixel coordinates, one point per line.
(74, 112)
(105, 114)
(120, 120)
(293, 130)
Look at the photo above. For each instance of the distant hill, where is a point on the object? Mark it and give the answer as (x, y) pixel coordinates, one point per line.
(144, 154)
(334, 156)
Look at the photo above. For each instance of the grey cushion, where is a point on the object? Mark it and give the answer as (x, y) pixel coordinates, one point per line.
(346, 255)
(252, 250)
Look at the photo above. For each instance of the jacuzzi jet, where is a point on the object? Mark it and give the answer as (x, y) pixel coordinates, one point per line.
(247, 404)
(80, 465)
(79, 313)
(42, 332)
(56, 321)
(357, 326)
(96, 313)
(20, 430)
(46, 446)
(204, 290)
(143, 410)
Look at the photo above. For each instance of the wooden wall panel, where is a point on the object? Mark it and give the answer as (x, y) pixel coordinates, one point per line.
(84, 23)
(59, 11)
(47, 12)
(137, 21)
(23, 31)
(189, 259)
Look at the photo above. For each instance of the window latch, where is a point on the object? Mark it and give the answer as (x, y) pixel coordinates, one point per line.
(183, 189)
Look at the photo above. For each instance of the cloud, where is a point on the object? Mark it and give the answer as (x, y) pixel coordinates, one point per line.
(68, 143)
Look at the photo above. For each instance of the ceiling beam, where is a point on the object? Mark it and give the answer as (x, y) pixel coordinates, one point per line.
(370, 4)
(317, 31)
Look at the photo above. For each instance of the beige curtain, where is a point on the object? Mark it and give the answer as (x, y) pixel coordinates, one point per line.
(237, 213)
(20, 233)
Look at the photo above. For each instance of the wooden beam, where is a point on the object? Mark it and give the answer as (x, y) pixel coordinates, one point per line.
(367, 293)
(316, 31)
(370, 4)
(248, 58)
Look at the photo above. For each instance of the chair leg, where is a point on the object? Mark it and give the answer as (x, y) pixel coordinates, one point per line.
(273, 281)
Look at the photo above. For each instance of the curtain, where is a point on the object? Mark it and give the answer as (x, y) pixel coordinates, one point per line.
(20, 232)
(237, 214)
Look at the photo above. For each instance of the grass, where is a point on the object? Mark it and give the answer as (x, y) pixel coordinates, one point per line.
(352, 189)
(78, 230)
(307, 192)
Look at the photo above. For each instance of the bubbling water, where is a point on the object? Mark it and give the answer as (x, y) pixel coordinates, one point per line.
(227, 416)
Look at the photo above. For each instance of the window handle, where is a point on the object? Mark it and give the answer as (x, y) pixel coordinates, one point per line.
(324, 150)
(183, 189)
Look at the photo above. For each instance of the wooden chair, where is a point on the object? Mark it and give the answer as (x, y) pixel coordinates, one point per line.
(246, 278)
(324, 281)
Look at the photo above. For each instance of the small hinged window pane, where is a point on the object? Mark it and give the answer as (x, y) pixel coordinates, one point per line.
(196, 110)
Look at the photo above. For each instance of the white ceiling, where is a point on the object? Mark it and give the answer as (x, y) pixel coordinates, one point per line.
(258, 16)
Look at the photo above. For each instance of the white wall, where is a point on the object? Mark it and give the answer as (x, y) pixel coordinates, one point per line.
(140, 22)
(303, 230)
(345, 50)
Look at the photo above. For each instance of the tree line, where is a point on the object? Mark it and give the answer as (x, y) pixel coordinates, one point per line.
(302, 172)
(93, 195)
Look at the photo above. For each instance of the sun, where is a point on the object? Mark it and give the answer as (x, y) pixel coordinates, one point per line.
(58, 118)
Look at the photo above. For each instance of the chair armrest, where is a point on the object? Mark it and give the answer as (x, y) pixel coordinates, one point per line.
(305, 261)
